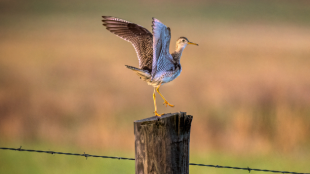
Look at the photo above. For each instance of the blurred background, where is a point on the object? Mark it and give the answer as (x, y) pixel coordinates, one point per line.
(64, 86)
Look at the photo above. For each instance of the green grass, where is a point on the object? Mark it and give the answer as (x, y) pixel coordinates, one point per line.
(28, 162)
(271, 161)
(234, 11)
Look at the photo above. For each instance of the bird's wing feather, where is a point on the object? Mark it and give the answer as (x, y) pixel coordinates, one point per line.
(138, 36)
(162, 59)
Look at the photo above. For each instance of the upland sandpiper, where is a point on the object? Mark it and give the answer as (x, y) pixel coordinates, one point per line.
(156, 65)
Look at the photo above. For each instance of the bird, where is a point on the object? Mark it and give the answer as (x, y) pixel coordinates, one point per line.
(156, 65)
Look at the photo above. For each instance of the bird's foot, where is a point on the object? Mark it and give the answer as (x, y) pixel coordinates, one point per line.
(167, 103)
(156, 114)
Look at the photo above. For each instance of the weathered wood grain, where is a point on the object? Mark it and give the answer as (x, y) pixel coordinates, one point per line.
(162, 144)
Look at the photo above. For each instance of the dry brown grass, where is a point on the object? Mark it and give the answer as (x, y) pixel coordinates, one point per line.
(247, 86)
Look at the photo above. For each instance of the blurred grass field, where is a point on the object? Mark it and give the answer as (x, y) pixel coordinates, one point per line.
(26, 162)
(64, 86)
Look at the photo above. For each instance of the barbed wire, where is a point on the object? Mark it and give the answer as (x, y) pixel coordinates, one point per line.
(123, 158)
(65, 153)
(248, 169)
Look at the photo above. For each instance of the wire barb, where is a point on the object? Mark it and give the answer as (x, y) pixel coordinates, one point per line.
(249, 170)
(86, 155)
(122, 158)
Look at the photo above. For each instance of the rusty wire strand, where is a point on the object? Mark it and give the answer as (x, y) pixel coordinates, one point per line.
(123, 158)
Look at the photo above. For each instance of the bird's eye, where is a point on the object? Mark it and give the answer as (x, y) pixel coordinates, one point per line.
(183, 40)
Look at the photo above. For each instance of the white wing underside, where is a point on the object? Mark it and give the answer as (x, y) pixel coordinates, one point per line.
(162, 59)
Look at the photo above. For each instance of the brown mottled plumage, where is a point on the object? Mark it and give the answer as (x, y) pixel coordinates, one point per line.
(156, 65)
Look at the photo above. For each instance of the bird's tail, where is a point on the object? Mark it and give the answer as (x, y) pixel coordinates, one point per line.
(143, 74)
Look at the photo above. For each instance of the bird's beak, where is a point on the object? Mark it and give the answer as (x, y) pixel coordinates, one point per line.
(192, 43)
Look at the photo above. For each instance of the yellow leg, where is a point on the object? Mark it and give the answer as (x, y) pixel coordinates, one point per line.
(165, 101)
(154, 98)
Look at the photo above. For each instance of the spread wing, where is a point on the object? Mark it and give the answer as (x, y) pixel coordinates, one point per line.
(138, 36)
(162, 59)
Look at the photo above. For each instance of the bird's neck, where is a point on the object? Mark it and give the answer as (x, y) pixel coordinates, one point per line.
(177, 54)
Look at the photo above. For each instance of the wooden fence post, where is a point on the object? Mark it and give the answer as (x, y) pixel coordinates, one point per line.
(162, 144)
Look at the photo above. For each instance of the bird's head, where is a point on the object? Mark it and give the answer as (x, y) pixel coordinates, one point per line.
(182, 42)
